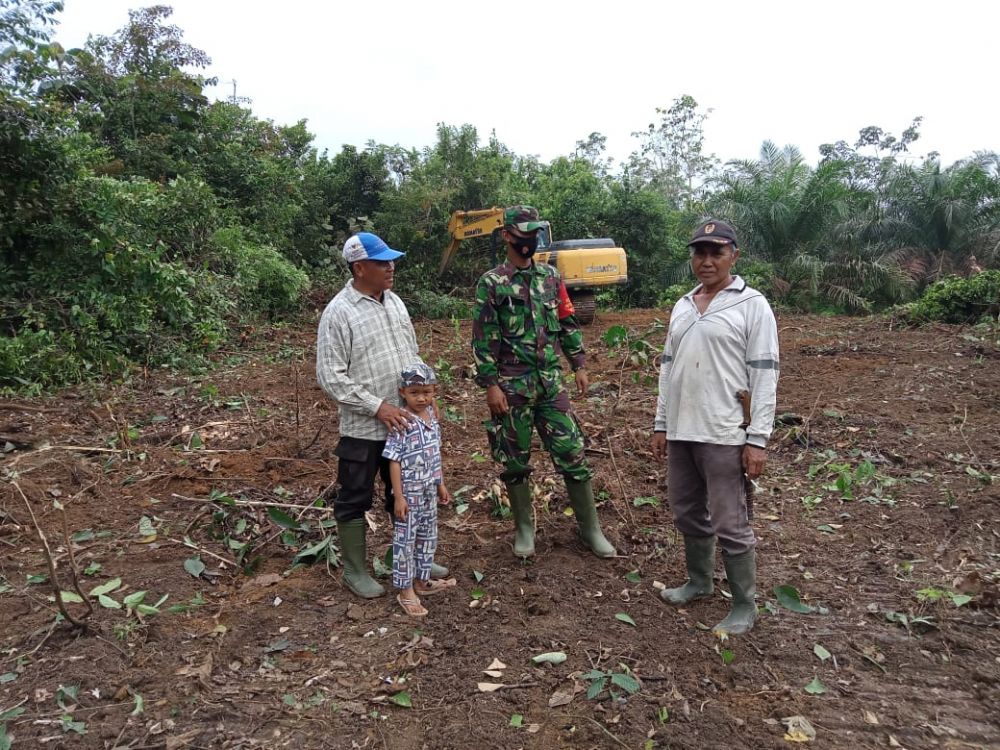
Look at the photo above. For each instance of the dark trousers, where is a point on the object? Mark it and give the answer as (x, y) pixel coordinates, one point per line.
(707, 495)
(359, 463)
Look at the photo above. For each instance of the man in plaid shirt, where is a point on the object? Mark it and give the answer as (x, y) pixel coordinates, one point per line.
(365, 340)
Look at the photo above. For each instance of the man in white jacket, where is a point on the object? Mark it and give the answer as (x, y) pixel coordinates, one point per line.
(722, 339)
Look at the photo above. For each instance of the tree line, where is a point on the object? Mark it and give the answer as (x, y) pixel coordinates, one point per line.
(142, 223)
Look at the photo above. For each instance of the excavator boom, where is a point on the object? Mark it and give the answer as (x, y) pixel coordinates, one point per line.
(465, 225)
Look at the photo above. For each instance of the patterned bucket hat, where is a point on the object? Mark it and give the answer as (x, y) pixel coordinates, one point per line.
(417, 374)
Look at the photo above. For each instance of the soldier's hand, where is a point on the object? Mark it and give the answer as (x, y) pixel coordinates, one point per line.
(394, 418)
(754, 459)
(496, 399)
(659, 445)
(582, 381)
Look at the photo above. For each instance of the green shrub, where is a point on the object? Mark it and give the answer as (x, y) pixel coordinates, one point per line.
(116, 277)
(669, 296)
(424, 303)
(956, 300)
(265, 281)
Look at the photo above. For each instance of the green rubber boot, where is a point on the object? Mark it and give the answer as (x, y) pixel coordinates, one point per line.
(438, 571)
(581, 497)
(741, 570)
(355, 559)
(524, 524)
(699, 555)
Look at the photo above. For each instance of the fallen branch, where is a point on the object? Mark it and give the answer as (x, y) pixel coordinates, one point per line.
(257, 503)
(621, 486)
(9, 406)
(188, 543)
(51, 564)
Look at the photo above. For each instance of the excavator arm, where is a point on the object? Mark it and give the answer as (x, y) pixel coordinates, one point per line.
(464, 225)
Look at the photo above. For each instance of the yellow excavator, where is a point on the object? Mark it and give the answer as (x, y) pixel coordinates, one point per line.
(585, 265)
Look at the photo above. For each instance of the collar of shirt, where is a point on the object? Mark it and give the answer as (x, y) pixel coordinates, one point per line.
(510, 270)
(737, 285)
(356, 296)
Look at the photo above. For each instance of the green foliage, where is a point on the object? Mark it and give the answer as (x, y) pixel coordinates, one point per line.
(614, 682)
(426, 303)
(264, 280)
(669, 296)
(957, 300)
(139, 221)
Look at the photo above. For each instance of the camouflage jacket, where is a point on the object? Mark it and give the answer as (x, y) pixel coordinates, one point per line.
(520, 316)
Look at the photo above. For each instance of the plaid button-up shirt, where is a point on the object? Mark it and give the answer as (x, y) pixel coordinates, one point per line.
(361, 349)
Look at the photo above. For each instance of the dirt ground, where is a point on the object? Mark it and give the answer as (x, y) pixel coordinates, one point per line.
(879, 506)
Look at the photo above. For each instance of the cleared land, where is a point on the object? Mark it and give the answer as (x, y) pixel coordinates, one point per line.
(880, 508)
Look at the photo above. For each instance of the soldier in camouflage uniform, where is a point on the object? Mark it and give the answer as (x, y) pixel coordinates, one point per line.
(522, 311)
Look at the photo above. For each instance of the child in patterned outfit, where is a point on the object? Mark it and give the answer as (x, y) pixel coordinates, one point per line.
(417, 485)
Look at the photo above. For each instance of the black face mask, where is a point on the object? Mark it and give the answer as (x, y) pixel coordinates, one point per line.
(525, 246)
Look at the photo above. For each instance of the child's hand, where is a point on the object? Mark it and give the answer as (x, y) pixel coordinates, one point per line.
(400, 509)
(444, 497)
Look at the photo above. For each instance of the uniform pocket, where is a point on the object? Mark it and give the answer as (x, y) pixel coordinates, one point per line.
(551, 307)
(512, 313)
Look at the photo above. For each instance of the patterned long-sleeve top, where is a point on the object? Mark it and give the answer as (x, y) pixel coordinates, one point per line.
(361, 348)
(418, 452)
(521, 319)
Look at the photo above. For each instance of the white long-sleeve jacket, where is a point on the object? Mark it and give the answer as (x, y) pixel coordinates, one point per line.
(708, 357)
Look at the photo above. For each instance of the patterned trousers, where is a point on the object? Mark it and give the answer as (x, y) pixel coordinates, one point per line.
(414, 539)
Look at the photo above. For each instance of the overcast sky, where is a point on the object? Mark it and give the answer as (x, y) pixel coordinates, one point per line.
(544, 75)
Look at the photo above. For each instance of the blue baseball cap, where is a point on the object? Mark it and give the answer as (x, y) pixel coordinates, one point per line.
(368, 246)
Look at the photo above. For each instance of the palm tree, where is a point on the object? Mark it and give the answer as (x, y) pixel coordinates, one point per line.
(786, 211)
(935, 220)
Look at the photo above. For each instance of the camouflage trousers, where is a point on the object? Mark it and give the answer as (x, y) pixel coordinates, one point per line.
(510, 437)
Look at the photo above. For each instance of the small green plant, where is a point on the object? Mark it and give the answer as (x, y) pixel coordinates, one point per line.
(613, 682)
(811, 502)
(910, 621)
(862, 482)
(934, 594)
(636, 351)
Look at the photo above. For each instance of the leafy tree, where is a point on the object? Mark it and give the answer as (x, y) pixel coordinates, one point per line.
(144, 105)
(654, 238)
(571, 195)
(869, 164)
(593, 148)
(672, 158)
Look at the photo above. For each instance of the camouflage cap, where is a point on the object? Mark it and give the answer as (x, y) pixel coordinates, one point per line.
(522, 218)
(714, 231)
(417, 374)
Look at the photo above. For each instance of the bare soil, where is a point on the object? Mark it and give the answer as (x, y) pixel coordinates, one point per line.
(289, 658)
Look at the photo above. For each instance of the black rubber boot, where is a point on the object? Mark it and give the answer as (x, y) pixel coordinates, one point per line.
(581, 497)
(699, 555)
(354, 556)
(741, 570)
